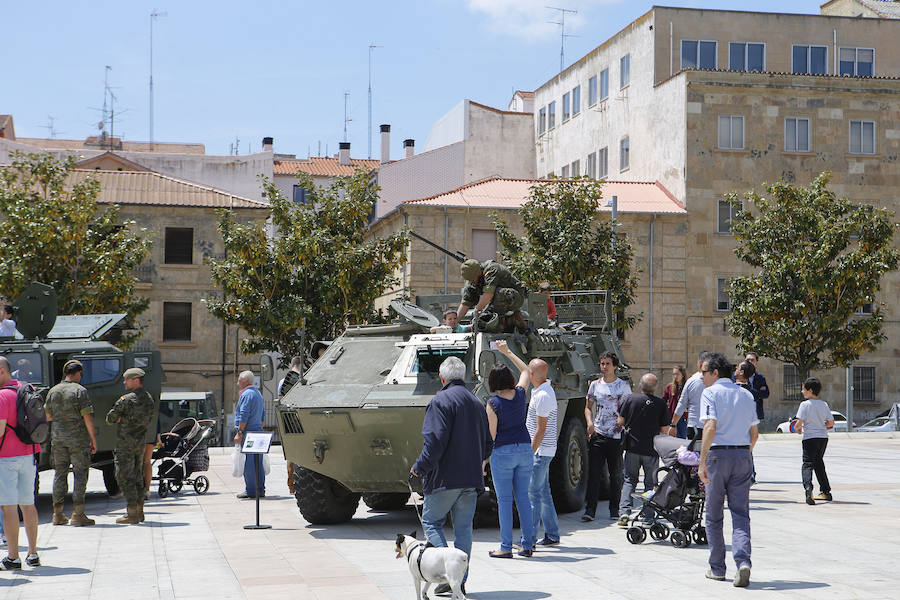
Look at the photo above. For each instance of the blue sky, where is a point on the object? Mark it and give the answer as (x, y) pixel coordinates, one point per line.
(265, 68)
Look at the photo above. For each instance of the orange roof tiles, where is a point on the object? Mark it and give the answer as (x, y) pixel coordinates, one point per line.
(154, 189)
(323, 166)
(158, 147)
(633, 196)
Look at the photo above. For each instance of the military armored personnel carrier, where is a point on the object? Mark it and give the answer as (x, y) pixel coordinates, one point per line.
(353, 426)
(46, 341)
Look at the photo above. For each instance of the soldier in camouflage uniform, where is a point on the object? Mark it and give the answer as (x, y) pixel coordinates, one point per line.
(72, 441)
(490, 286)
(133, 412)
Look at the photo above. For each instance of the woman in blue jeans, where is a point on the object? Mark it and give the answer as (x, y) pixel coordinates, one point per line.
(511, 461)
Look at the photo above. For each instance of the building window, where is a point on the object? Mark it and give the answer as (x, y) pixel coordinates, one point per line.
(624, 71)
(551, 115)
(796, 135)
(863, 384)
(728, 214)
(700, 54)
(624, 151)
(602, 163)
(299, 195)
(862, 137)
(810, 59)
(858, 62)
(484, 244)
(576, 168)
(542, 121)
(592, 91)
(723, 298)
(179, 246)
(176, 321)
(604, 84)
(746, 56)
(591, 165)
(865, 309)
(566, 113)
(576, 100)
(791, 383)
(564, 171)
(731, 132)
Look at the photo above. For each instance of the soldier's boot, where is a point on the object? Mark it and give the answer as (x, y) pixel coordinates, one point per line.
(517, 320)
(140, 511)
(131, 517)
(79, 519)
(59, 518)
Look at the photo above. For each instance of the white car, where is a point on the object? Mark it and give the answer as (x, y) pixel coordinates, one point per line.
(840, 423)
(879, 424)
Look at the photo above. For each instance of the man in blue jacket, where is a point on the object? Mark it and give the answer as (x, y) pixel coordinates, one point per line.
(248, 416)
(457, 442)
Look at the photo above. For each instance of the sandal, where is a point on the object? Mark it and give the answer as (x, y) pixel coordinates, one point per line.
(500, 554)
(526, 553)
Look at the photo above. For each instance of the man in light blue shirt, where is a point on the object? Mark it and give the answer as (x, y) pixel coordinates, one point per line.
(728, 416)
(248, 416)
(690, 401)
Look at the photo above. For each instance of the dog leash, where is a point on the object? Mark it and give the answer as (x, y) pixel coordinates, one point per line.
(422, 545)
(415, 503)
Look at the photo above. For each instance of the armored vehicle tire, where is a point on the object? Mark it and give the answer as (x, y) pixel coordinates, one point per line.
(109, 479)
(569, 469)
(321, 499)
(386, 500)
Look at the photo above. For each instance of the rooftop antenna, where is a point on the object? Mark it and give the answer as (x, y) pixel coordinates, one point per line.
(51, 130)
(562, 32)
(153, 16)
(235, 146)
(372, 47)
(346, 120)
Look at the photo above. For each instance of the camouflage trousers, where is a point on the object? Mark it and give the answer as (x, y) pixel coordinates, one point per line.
(77, 454)
(506, 300)
(130, 473)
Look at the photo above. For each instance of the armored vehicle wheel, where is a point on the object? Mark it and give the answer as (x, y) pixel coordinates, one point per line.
(568, 471)
(680, 539)
(109, 479)
(386, 500)
(321, 499)
(659, 531)
(201, 484)
(636, 535)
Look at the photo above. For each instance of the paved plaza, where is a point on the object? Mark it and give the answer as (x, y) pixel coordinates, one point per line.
(194, 547)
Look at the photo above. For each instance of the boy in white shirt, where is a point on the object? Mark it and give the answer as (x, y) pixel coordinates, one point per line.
(814, 419)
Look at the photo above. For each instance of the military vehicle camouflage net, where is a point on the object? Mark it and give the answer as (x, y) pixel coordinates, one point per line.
(45, 342)
(355, 427)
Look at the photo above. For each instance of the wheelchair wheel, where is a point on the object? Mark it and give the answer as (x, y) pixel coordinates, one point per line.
(699, 535)
(680, 539)
(163, 488)
(175, 486)
(659, 531)
(636, 535)
(201, 484)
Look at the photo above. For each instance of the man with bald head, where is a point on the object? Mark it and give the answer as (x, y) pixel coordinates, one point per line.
(642, 417)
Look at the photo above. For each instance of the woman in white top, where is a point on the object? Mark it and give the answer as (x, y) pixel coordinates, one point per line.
(814, 419)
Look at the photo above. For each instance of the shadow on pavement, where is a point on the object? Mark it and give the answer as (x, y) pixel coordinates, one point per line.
(781, 584)
(51, 571)
(508, 595)
(547, 553)
(14, 582)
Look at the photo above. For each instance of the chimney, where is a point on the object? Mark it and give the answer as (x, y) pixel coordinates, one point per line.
(344, 157)
(410, 147)
(385, 144)
(268, 144)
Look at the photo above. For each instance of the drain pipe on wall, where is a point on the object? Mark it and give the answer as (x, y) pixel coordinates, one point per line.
(408, 250)
(650, 319)
(446, 245)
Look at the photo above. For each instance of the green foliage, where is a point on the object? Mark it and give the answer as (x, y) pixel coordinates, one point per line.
(55, 233)
(818, 258)
(568, 243)
(322, 270)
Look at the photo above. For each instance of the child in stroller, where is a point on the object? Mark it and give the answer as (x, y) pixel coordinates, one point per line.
(184, 451)
(679, 498)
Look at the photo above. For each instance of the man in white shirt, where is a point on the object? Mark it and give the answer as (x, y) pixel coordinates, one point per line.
(690, 401)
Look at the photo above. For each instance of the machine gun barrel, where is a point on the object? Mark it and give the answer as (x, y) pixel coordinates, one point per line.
(459, 256)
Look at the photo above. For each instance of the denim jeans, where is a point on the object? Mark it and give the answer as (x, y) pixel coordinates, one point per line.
(729, 475)
(250, 474)
(541, 501)
(633, 464)
(460, 504)
(511, 468)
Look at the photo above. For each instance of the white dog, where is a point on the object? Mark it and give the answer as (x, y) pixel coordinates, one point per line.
(433, 565)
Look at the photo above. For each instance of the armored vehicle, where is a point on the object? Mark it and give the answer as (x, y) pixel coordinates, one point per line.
(353, 425)
(45, 342)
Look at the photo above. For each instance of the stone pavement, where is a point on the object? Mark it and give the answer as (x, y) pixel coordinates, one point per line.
(195, 546)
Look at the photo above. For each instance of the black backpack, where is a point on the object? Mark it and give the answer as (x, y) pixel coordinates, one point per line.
(290, 380)
(31, 419)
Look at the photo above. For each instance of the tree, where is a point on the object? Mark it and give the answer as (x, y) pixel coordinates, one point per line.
(320, 271)
(55, 233)
(570, 245)
(818, 259)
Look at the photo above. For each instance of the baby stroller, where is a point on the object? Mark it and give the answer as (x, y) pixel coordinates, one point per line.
(184, 451)
(678, 499)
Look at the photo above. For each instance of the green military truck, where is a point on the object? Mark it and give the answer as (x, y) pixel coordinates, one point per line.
(45, 342)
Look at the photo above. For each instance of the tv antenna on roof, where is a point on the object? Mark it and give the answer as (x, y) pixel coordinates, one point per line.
(346, 119)
(51, 130)
(372, 47)
(562, 32)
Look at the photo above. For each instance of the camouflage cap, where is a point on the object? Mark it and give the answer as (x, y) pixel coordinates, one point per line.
(133, 373)
(72, 366)
(470, 269)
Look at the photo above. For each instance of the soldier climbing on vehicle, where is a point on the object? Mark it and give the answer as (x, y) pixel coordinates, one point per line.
(492, 290)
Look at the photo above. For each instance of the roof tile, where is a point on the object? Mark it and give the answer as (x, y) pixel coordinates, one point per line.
(323, 166)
